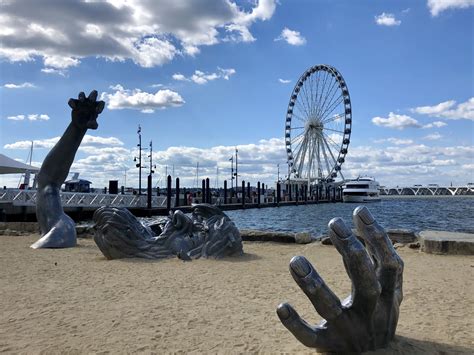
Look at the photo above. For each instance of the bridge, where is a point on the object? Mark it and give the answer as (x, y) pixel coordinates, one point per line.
(429, 190)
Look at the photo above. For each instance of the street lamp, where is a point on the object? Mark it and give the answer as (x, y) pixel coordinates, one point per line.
(139, 164)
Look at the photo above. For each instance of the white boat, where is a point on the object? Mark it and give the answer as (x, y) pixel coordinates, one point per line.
(362, 189)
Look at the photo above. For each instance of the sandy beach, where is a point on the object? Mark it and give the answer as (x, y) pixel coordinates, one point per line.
(76, 301)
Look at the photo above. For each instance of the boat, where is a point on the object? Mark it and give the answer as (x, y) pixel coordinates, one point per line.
(362, 189)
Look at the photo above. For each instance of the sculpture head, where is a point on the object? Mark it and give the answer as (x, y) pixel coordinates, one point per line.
(85, 110)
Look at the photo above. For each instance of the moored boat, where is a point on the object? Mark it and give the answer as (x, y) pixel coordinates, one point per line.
(362, 189)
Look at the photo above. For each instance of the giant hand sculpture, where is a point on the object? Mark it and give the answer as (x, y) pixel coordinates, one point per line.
(207, 233)
(57, 228)
(367, 319)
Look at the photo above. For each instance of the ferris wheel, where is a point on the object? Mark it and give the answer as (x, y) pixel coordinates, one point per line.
(318, 125)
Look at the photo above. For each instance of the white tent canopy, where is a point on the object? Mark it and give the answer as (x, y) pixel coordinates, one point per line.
(11, 166)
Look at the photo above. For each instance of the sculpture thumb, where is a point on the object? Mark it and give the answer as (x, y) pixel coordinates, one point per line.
(72, 103)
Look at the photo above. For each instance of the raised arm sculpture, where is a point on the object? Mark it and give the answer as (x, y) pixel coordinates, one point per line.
(207, 233)
(58, 229)
(367, 319)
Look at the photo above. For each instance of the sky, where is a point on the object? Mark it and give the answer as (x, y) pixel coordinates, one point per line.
(205, 77)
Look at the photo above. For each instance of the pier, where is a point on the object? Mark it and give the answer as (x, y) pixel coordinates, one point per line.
(20, 205)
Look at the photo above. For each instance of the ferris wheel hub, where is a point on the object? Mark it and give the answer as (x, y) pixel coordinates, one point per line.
(314, 124)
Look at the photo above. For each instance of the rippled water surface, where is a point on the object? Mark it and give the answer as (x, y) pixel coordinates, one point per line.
(455, 214)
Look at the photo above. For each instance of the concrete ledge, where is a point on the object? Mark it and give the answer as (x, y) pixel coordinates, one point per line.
(438, 242)
(271, 236)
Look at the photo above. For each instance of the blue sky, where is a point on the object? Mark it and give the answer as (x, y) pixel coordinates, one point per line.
(204, 77)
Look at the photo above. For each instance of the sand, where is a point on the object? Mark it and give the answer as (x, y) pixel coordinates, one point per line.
(76, 301)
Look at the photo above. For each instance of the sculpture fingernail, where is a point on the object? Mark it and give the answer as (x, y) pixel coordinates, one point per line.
(283, 311)
(300, 266)
(364, 215)
(338, 226)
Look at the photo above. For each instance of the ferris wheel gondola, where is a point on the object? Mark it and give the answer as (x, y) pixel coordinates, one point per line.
(318, 125)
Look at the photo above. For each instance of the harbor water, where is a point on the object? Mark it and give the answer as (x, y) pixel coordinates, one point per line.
(454, 214)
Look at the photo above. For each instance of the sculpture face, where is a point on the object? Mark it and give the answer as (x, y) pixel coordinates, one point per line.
(367, 319)
(207, 233)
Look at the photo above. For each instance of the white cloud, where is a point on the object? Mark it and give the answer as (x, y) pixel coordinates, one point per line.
(200, 77)
(396, 141)
(140, 100)
(284, 81)
(19, 86)
(433, 136)
(48, 143)
(449, 110)
(36, 117)
(438, 6)
(291, 37)
(436, 109)
(60, 62)
(31, 117)
(396, 121)
(53, 71)
(437, 124)
(386, 19)
(148, 32)
(16, 118)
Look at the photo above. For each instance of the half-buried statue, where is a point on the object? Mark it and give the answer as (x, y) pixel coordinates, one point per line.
(57, 228)
(207, 233)
(367, 319)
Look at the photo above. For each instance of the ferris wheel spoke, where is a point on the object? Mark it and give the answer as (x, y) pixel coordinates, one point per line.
(331, 108)
(305, 96)
(322, 91)
(328, 93)
(315, 98)
(326, 160)
(335, 146)
(301, 107)
(297, 137)
(335, 118)
(299, 151)
(303, 158)
(318, 157)
(333, 130)
(299, 117)
(333, 93)
(311, 86)
(330, 152)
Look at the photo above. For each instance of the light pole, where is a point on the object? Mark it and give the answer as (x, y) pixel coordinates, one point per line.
(139, 164)
(151, 159)
(231, 173)
(236, 172)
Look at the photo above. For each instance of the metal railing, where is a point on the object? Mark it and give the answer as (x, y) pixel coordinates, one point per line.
(18, 197)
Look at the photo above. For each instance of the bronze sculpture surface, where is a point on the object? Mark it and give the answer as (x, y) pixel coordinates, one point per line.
(207, 233)
(57, 228)
(367, 319)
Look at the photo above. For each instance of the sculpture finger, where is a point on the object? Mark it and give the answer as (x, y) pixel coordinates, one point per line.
(359, 266)
(306, 334)
(92, 96)
(100, 106)
(72, 103)
(326, 303)
(388, 263)
(81, 96)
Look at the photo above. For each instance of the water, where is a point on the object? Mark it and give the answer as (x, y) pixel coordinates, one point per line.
(454, 214)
